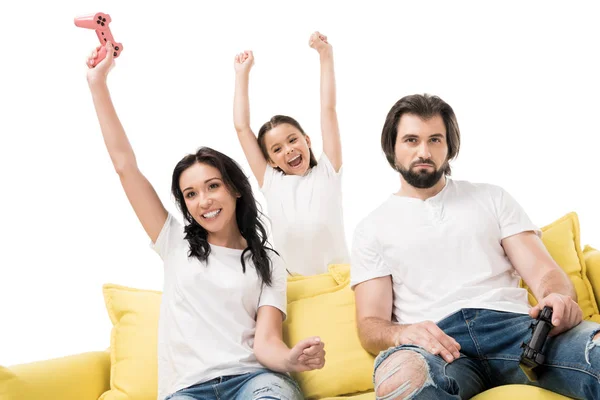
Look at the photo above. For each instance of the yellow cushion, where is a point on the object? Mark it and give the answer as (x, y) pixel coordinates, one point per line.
(518, 392)
(11, 387)
(363, 396)
(331, 315)
(83, 376)
(134, 337)
(562, 240)
(133, 342)
(592, 270)
(512, 392)
(304, 286)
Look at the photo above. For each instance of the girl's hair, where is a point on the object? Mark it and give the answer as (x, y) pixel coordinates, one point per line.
(246, 212)
(274, 122)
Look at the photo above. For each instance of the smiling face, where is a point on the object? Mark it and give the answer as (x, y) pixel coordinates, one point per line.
(288, 149)
(421, 150)
(208, 200)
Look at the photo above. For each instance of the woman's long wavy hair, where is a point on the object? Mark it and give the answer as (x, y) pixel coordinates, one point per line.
(246, 212)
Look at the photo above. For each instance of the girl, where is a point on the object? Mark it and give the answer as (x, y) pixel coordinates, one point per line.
(304, 197)
(224, 299)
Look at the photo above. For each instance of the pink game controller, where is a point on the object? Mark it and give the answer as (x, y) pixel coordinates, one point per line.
(99, 22)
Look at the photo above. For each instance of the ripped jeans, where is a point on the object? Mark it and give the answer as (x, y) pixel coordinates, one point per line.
(490, 351)
(263, 384)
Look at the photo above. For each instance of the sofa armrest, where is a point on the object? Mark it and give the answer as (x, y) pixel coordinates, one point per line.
(592, 270)
(78, 377)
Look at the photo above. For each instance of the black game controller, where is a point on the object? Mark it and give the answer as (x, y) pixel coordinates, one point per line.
(532, 356)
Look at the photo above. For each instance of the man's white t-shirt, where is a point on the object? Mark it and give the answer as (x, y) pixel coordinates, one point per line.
(307, 218)
(444, 253)
(208, 311)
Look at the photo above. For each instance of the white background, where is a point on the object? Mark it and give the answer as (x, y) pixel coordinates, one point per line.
(522, 77)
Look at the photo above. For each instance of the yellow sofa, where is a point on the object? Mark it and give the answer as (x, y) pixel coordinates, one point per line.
(317, 305)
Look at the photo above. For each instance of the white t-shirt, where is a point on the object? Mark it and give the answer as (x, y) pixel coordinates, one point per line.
(208, 311)
(443, 253)
(306, 217)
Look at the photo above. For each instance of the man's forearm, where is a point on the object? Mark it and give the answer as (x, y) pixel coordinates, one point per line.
(377, 334)
(556, 281)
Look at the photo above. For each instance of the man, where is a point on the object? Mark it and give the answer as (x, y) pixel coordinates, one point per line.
(436, 271)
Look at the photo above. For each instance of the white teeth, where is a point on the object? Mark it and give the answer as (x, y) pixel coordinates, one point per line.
(211, 214)
(294, 159)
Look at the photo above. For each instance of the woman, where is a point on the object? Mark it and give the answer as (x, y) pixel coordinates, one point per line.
(224, 299)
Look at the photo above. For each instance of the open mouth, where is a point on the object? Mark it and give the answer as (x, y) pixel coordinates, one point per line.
(212, 214)
(296, 161)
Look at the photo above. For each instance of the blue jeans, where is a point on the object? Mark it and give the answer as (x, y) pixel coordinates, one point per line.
(263, 384)
(490, 351)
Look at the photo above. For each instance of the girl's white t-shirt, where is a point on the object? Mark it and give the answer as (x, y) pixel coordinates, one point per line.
(208, 311)
(307, 217)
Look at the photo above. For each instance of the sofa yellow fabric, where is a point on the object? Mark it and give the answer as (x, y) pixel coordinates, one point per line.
(79, 377)
(509, 392)
(10, 384)
(134, 338)
(363, 396)
(297, 287)
(129, 371)
(133, 342)
(562, 239)
(328, 315)
(592, 261)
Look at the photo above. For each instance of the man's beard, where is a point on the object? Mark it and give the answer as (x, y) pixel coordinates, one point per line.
(421, 178)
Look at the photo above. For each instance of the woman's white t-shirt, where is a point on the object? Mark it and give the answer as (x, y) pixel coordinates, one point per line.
(307, 217)
(208, 311)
